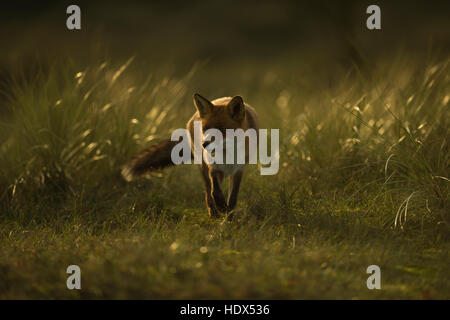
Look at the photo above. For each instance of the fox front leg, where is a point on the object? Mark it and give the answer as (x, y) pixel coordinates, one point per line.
(211, 206)
(219, 199)
(233, 189)
(210, 203)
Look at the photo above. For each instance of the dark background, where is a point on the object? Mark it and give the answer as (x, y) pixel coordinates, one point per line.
(183, 32)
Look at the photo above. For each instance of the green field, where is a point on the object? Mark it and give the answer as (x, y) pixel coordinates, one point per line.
(363, 179)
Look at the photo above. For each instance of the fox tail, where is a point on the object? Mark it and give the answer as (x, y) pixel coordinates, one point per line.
(156, 157)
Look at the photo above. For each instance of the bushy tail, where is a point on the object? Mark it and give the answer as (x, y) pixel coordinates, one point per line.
(156, 157)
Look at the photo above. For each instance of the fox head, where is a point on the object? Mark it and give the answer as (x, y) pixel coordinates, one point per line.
(220, 114)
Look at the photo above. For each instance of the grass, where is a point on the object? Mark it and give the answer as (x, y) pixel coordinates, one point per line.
(363, 180)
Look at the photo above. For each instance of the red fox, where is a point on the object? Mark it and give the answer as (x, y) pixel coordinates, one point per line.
(221, 114)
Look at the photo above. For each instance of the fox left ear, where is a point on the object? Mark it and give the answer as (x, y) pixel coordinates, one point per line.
(236, 108)
(203, 105)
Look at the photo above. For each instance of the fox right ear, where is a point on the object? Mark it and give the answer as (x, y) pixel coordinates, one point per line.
(203, 105)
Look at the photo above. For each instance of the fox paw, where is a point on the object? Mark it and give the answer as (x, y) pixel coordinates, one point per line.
(222, 207)
(220, 203)
(213, 212)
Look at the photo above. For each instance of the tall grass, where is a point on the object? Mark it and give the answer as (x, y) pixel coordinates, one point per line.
(69, 128)
(369, 142)
(363, 180)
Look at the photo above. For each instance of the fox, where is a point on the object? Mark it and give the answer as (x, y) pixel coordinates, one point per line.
(221, 114)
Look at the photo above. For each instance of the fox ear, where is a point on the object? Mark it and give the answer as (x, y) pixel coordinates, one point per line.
(203, 105)
(236, 108)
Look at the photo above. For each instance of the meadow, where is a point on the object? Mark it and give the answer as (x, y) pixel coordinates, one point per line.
(363, 180)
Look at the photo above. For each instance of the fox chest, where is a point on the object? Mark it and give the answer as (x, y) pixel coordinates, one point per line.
(227, 169)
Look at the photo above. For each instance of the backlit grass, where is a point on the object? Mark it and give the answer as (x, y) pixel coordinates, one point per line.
(363, 180)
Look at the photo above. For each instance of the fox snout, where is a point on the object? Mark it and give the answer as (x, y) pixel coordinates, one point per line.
(211, 146)
(211, 141)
